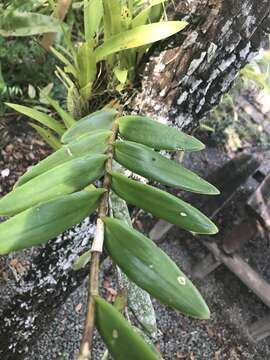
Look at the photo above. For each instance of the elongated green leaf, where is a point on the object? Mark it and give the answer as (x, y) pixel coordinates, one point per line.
(2, 80)
(151, 269)
(162, 205)
(86, 68)
(141, 35)
(66, 117)
(102, 119)
(93, 12)
(82, 261)
(139, 301)
(42, 118)
(122, 341)
(43, 222)
(92, 143)
(69, 66)
(112, 18)
(63, 179)
(16, 23)
(49, 138)
(150, 164)
(145, 15)
(156, 135)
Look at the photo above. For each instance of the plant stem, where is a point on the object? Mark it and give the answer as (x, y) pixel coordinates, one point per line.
(97, 246)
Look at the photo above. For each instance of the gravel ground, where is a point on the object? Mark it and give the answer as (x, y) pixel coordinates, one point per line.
(223, 337)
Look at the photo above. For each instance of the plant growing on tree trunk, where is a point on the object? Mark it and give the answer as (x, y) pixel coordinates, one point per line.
(63, 189)
(56, 194)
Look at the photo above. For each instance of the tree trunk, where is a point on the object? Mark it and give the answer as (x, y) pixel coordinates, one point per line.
(183, 80)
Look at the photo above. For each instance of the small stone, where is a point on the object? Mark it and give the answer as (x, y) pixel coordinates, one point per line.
(78, 308)
(5, 173)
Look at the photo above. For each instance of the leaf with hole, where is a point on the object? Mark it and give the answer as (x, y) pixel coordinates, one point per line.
(141, 35)
(43, 222)
(122, 341)
(64, 179)
(102, 119)
(95, 142)
(151, 269)
(162, 205)
(150, 164)
(156, 135)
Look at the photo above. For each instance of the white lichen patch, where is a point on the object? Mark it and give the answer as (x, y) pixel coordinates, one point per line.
(115, 334)
(182, 98)
(181, 280)
(69, 151)
(195, 64)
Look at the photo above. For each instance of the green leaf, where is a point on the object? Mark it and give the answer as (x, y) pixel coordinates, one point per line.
(156, 135)
(121, 340)
(102, 119)
(151, 269)
(82, 261)
(66, 117)
(112, 18)
(95, 142)
(42, 118)
(139, 301)
(2, 80)
(47, 136)
(69, 66)
(145, 15)
(162, 205)
(61, 180)
(43, 222)
(93, 12)
(141, 35)
(150, 164)
(121, 75)
(207, 128)
(87, 69)
(15, 23)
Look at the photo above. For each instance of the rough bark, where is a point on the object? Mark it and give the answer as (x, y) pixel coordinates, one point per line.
(48, 283)
(180, 84)
(184, 82)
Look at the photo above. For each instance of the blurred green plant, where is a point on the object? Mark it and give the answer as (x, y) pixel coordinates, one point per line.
(229, 119)
(116, 35)
(20, 21)
(258, 71)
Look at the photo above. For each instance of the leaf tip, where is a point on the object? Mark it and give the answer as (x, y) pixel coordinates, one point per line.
(205, 313)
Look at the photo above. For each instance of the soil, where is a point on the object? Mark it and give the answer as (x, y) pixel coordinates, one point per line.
(233, 307)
